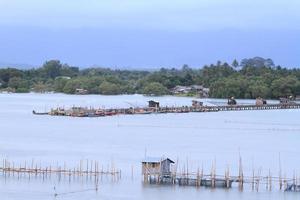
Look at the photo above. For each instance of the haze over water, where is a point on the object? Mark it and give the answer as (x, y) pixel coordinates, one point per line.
(148, 34)
(258, 136)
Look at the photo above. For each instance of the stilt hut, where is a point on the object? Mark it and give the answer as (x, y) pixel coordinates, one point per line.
(286, 100)
(156, 169)
(231, 101)
(196, 104)
(153, 104)
(260, 101)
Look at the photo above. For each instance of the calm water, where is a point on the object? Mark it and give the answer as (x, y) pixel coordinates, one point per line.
(197, 138)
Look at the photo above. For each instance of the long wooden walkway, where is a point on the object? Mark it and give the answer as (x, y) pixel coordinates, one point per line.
(93, 112)
(254, 107)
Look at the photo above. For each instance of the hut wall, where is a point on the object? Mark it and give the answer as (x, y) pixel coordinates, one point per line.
(259, 102)
(165, 167)
(151, 168)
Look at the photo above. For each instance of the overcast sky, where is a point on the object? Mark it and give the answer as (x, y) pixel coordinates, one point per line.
(149, 33)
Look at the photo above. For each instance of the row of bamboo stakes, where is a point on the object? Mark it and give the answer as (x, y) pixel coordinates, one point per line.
(254, 180)
(93, 170)
(86, 168)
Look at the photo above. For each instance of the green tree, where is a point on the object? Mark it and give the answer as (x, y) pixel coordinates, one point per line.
(40, 87)
(19, 84)
(71, 86)
(235, 63)
(155, 88)
(59, 84)
(259, 89)
(8, 73)
(287, 86)
(52, 68)
(108, 88)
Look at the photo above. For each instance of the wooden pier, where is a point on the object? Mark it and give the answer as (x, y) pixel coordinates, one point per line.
(94, 112)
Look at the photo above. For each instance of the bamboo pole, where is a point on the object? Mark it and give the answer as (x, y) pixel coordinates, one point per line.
(241, 176)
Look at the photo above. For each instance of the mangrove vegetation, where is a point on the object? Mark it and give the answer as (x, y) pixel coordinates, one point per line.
(248, 79)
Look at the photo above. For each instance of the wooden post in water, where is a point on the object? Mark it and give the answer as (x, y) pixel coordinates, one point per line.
(213, 175)
(280, 173)
(270, 180)
(294, 177)
(296, 180)
(198, 178)
(201, 175)
(132, 172)
(19, 171)
(284, 182)
(50, 171)
(253, 179)
(227, 177)
(258, 179)
(187, 171)
(175, 172)
(241, 175)
(27, 171)
(80, 167)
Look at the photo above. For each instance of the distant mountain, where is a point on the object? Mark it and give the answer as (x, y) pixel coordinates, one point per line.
(16, 65)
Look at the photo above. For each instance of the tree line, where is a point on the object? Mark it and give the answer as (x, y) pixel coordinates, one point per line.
(251, 78)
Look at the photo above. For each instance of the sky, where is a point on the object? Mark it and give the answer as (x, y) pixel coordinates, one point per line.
(148, 34)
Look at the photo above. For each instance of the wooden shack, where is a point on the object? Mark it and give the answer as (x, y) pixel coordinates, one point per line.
(231, 101)
(286, 100)
(156, 168)
(153, 104)
(196, 104)
(81, 91)
(260, 101)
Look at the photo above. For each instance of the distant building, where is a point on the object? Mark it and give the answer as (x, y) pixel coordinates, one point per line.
(81, 91)
(204, 93)
(181, 89)
(63, 77)
(201, 91)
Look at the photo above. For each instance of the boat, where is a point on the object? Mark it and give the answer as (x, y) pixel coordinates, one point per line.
(110, 113)
(39, 113)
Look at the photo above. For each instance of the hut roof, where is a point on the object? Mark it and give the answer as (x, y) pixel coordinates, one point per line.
(153, 101)
(155, 160)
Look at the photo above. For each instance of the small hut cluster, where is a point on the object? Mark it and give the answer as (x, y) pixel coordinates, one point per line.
(199, 90)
